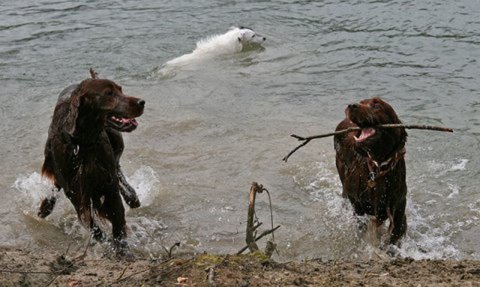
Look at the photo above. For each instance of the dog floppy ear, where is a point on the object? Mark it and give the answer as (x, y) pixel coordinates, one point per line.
(71, 120)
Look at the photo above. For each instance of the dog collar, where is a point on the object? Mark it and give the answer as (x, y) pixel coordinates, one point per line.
(69, 139)
(378, 170)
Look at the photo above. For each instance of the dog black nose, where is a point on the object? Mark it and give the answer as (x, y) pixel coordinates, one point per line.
(353, 106)
(141, 103)
(264, 38)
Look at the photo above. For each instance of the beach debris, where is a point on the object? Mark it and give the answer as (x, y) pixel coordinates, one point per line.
(252, 224)
(170, 250)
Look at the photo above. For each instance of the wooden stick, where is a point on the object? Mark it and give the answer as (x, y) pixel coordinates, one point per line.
(93, 74)
(250, 238)
(306, 140)
(265, 233)
(169, 251)
(257, 226)
(210, 276)
(24, 272)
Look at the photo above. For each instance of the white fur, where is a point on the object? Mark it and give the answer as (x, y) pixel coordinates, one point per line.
(231, 42)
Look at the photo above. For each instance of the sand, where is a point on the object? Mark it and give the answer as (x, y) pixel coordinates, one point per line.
(21, 267)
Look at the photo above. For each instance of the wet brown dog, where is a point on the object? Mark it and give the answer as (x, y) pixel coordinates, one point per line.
(371, 164)
(82, 154)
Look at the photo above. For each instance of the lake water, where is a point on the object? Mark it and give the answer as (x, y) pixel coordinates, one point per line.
(211, 129)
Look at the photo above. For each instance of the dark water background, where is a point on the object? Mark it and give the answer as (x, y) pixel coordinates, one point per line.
(210, 130)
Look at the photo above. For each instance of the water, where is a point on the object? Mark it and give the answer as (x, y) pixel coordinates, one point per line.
(210, 130)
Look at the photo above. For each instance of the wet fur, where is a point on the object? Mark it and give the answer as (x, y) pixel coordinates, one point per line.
(82, 154)
(387, 199)
(230, 42)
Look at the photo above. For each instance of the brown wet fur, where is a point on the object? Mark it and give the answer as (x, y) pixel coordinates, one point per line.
(82, 154)
(385, 197)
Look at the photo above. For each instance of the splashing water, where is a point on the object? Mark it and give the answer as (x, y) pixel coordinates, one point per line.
(424, 238)
(143, 181)
(33, 188)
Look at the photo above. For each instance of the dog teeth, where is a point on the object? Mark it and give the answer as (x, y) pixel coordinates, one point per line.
(124, 120)
(365, 134)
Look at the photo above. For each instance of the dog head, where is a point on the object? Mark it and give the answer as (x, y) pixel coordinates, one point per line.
(104, 98)
(248, 36)
(379, 142)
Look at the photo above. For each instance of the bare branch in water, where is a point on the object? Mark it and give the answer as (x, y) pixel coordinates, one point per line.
(250, 237)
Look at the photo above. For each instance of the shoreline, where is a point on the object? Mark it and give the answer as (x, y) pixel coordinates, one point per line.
(23, 267)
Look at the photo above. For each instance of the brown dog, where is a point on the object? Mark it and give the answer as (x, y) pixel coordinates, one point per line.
(83, 150)
(371, 164)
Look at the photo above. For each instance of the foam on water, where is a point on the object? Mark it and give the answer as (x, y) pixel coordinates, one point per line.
(143, 181)
(443, 167)
(425, 238)
(428, 236)
(33, 189)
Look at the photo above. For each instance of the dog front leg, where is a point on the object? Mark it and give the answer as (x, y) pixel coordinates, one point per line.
(128, 192)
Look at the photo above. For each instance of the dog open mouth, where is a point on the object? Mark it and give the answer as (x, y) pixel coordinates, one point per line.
(365, 133)
(122, 124)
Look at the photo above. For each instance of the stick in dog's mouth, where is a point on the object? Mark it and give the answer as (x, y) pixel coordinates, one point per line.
(364, 134)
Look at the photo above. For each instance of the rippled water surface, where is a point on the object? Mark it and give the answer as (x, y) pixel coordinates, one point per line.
(211, 129)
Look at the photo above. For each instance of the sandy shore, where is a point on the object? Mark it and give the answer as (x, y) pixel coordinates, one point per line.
(21, 267)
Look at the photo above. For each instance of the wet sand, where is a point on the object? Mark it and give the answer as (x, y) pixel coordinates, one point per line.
(23, 267)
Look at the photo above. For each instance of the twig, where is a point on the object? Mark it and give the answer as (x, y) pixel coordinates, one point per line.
(93, 74)
(210, 276)
(51, 281)
(249, 237)
(306, 140)
(60, 272)
(265, 233)
(24, 272)
(257, 226)
(271, 211)
(131, 275)
(56, 273)
(169, 251)
(123, 272)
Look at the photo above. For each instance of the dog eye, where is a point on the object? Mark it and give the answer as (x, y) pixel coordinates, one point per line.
(109, 93)
(253, 36)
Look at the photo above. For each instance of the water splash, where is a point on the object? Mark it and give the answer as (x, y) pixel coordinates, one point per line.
(425, 239)
(144, 180)
(440, 168)
(33, 188)
(460, 164)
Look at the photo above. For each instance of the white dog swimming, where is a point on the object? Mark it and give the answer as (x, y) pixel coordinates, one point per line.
(231, 42)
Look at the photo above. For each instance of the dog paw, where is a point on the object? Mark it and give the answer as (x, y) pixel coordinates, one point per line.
(47, 206)
(133, 202)
(392, 251)
(122, 251)
(98, 234)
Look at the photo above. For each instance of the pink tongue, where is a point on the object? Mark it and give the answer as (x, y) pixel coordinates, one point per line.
(365, 134)
(129, 121)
